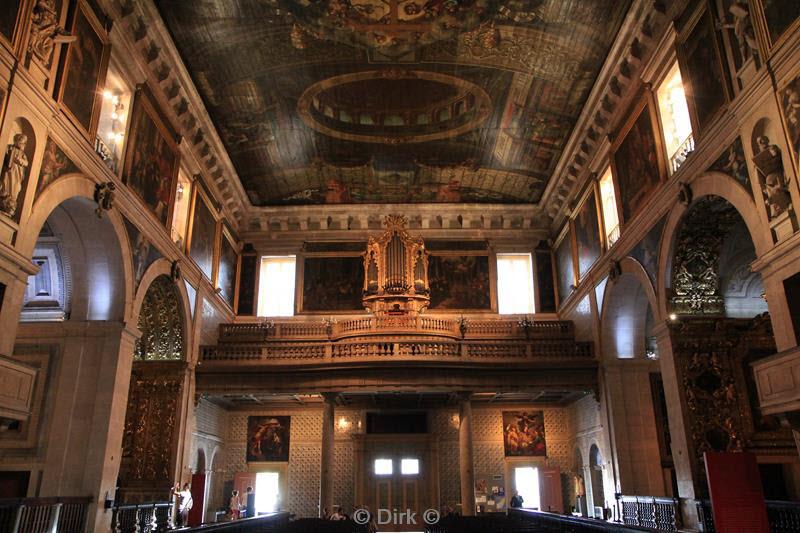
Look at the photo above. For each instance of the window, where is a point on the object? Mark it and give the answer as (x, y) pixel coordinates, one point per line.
(110, 138)
(276, 286)
(609, 201)
(183, 192)
(383, 467)
(514, 283)
(409, 467)
(678, 139)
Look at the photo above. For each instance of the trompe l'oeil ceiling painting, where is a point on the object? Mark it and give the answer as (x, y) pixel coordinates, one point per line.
(394, 101)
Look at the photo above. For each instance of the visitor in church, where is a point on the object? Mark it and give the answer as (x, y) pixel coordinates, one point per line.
(516, 500)
(338, 514)
(235, 505)
(184, 505)
(251, 503)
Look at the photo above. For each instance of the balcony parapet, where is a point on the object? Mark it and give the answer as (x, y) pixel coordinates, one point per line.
(778, 382)
(393, 325)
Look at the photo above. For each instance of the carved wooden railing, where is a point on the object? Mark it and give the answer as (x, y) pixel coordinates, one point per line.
(329, 352)
(784, 517)
(389, 325)
(141, 517)
(654, 512)
(43, 515)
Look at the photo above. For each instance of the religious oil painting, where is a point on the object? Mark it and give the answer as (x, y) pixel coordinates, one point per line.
(333, 284)
(566, 272)
(389, 101)
(523, 433)
(790, 105)
(647, 251)
(226, 278)
(85, 71)
(545, 282)
(587, 235)
(705, 81)
(459, 282)
(55, 163)
(268, 438)
(204, 230)
(732, 162)
(143, 252)
(636, 164)
(8, 18)
(780, 14)
(151, 158)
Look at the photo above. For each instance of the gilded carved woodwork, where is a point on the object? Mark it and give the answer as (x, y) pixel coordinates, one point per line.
(695, 266)
(396, 271)
(161, 323)
(712, 357)
(150, 438)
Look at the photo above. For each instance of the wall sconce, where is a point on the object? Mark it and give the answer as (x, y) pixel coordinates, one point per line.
(344, 423)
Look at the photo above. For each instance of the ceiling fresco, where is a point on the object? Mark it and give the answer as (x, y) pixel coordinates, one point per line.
(394, 101)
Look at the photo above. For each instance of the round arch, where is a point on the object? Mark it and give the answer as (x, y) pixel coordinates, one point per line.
(625, 288)
(162, 267)
(710, 184)
(65, 188)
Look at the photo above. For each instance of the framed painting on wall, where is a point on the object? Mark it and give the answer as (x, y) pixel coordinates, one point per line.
(779, 17)
(523, 434)
(85, 71)
(587, 234)
(11, 17)
(334, 284)
(790, 111)
(268, 438)
(564, 267)
(461, 282)
(226, 272)
(703, 72)
(637, 161)
(152, 157)
(203, 235)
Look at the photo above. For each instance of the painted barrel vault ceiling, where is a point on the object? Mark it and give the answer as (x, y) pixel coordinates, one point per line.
(394, 101)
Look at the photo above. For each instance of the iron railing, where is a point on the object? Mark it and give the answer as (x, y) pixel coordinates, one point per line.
(44, 515)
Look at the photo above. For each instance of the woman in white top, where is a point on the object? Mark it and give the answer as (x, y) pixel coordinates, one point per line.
(184, 505)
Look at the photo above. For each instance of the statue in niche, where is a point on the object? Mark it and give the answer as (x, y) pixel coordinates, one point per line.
(770, 167)
(742, 27)
(14, 168)
(46, 32)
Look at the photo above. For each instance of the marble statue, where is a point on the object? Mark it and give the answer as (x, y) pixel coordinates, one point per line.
(45, 30)
(14, 168)
(770, 165)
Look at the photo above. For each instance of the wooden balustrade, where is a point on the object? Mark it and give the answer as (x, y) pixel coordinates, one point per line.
(43, 515)
(353, 327)
(277, 522)
(141, 517)
(658, 513)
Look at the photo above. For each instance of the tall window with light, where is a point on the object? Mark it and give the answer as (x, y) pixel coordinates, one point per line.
(110, 139)
(180, 213)
(610, 213)
(675, 123)
(514, 283)
(276, 286)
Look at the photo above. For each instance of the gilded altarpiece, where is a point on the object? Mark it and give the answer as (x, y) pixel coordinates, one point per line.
(715, 380)
(158, 380)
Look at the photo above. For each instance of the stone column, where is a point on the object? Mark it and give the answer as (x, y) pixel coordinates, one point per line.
(465, 456)
(678, 428)
(326, 462)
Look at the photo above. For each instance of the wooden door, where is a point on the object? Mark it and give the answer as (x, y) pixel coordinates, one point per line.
(198, 499)
(550, 489)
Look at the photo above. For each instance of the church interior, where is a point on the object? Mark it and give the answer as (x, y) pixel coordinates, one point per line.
(400, 265)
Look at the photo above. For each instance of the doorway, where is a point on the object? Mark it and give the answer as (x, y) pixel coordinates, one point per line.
(526, 484)
(268, 492)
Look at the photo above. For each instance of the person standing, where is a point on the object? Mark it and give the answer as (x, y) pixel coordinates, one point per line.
(235, 505)
(184, 505)
(516, 500)
(251, 503)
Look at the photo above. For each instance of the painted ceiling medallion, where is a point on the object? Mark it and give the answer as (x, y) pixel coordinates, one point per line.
(394, 106)
(391, 27)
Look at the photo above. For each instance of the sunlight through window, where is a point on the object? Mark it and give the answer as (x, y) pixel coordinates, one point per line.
(267, 492)
(514, 283)
(383, 467)
(409, 467)
(675, 121)
(526, 481)
(609, 201)
(276, 286)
